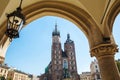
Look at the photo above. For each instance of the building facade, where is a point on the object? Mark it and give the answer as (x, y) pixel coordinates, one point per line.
(3, 71)
(63, 63)
(85, 76)
(95, 71)
(14, 74)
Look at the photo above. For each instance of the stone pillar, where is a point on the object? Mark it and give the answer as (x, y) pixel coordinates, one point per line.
(105, 56)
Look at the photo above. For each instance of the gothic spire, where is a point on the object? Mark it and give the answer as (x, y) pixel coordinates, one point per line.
(68, 36)
(55, 27)
(68, 39)
(56, 32)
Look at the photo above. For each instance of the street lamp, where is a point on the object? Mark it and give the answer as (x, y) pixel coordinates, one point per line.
(15, 22)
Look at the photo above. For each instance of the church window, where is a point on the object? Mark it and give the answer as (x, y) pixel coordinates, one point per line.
(74, 62)
(74, 67)
(70, 62)
(59, 57)
(59, 62)
(71, 57)
(55, 61)
(70, 47)
(65, 63)
(59, 51)
(55, 56)
(55, 51)
(55, 67)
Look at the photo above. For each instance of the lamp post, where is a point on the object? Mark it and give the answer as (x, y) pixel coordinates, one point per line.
(15, 22)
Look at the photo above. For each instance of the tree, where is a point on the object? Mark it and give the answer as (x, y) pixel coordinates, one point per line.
(2, 78)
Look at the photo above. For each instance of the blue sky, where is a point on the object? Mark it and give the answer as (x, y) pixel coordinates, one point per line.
(31, 52)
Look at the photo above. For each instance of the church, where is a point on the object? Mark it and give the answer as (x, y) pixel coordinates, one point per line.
(63, 63)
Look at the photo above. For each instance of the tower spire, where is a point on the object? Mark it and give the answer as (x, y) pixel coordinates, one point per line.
(56, 27)
(68, 39)
(68, 36)
(56, 32)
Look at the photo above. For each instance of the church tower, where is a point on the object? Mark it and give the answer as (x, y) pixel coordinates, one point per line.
(69, 48)
(63, 62)
(56, 55)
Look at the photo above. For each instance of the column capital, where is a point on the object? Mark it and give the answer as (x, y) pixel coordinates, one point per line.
(104, 49)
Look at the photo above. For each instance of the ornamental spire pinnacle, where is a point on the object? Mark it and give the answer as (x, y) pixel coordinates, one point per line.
(56, 32)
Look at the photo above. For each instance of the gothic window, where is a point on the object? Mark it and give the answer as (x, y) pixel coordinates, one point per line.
(55, 56)
(74, 67)
(59, 51)
(55, 51)
(70, 47)
(55, 61)
(70, 62)
(59, 57)
(73, 62)
(59, 62)
(71, 57)
(55, 67)
(65, 63)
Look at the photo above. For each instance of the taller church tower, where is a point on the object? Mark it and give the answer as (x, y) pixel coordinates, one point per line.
(56, 55)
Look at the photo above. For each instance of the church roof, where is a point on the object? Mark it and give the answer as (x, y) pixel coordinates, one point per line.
(55, 32)
(68, 39)
(64, 54)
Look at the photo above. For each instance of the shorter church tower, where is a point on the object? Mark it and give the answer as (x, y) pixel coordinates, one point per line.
(69, 48)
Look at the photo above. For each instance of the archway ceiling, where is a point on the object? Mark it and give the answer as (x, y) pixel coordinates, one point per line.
(96, 8)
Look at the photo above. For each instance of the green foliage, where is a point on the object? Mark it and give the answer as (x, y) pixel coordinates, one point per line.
(2, 78)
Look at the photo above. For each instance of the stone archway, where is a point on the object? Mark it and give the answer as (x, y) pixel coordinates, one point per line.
(100, 45)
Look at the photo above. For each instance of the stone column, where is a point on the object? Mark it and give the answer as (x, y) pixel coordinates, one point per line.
(105, 56)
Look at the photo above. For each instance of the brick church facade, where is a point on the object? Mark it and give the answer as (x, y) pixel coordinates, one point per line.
(63, 63)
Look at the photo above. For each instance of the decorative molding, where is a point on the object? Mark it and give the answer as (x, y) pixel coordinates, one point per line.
(104, 49)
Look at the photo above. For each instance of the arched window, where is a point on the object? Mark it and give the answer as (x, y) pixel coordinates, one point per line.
(65, 64)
